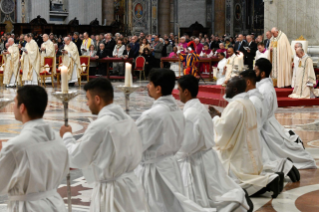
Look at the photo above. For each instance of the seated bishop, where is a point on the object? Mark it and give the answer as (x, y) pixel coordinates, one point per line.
(11, 60)
(71, 60)
(305, 79)
(30, 61)
(204, 178)
(238, 145)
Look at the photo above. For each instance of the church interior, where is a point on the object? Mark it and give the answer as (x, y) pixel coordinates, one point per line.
(201, 19)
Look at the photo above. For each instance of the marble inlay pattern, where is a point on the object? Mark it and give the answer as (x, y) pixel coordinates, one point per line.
(304, 120)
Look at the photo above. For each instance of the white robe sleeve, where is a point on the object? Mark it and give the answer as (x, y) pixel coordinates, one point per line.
(149, 130)
(7, 167)
(82, 152)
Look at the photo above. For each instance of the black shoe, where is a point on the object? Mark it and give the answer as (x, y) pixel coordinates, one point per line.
(294, 174)
(249, 202)
(281, 180)
(71, 84)
(273, 187)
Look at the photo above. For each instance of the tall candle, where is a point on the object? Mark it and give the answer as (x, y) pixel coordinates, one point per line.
(128, 75)
(64, 80)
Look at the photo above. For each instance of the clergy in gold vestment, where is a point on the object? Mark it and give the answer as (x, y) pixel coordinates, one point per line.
(48, 50)
(71, 59)
(305, 77)
(86, 43)
(30, 61)
(11, 63)
(281, 59)
(237, 141)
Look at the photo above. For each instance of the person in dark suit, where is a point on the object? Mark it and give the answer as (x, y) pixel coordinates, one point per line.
(77, 41)
(128, 53)
(135, 46)
(267, 41)
(109, 44)
(239, 46)
(251, 52)
(101, 53)
(38, 39)
(215, 43)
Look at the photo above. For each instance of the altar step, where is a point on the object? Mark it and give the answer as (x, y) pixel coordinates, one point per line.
(213, 95)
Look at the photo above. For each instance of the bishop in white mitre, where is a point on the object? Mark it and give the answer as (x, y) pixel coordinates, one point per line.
(108, 153)
(295, 65)
(11, 61)
(204, 177)
(283, 143)
(270, 162)
(162, 129)
(30, 62)
(71, 60)
(48, 50)
(305, 77)
(237, 142)
(34, 163)
(281, 59)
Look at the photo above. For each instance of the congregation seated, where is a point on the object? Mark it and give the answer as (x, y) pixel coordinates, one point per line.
(149, 60)
(118, 68)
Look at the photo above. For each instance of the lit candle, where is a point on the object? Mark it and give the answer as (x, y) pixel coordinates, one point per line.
(128, 75)
(64, 80)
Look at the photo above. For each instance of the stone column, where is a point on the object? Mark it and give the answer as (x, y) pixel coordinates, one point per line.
(107, 11)
(219, 17)
(164, 17)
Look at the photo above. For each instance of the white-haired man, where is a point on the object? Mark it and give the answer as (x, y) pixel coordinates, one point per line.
(48, 50)
(305, 77)
(295, 64)
(11, 61)
(71, 59)
(281, 58)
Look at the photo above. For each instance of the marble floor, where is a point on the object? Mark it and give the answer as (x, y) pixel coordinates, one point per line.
(301, 196)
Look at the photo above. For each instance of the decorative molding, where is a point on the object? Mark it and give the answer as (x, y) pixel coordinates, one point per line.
(23, 11)
(7, 6)
(301, 38)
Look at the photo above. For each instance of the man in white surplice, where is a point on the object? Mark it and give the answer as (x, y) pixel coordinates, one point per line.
(237, 142)
(48, 50)
(221, 69)
(34, 163)
(71, 59)
(162, 129)
(108, 152)
(30, 61)
(199, 163)
(282, 143)
(271, 163)
(295, 65)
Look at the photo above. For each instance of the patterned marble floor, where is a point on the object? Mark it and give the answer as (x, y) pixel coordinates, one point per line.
(302, 196)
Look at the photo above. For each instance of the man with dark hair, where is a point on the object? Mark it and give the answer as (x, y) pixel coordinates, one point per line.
(262, 52)
(205, 165)
(108, 152)
(271, 163)
(34, 163)
(237, 140)
(77, 42)
(283, 143)
(162, 131)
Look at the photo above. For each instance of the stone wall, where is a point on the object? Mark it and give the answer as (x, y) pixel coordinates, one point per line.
(294, 18)
(190, 11)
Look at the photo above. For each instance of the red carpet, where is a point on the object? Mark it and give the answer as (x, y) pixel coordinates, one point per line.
(213, 95)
